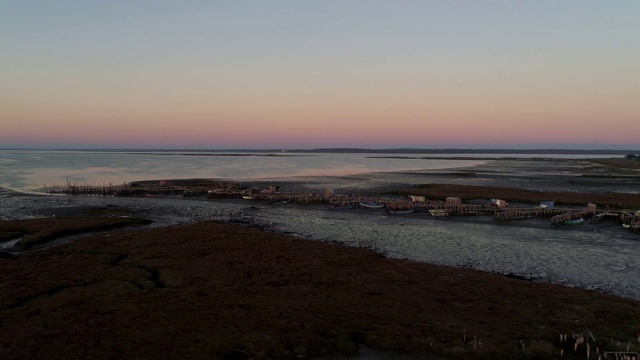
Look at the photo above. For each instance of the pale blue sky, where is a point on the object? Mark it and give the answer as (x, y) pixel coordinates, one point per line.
(299, 67)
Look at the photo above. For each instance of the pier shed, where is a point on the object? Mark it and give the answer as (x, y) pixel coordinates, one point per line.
(451, 200)
(498, 202)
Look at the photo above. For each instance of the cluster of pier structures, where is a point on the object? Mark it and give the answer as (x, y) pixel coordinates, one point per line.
(147, 188)
(451, 206)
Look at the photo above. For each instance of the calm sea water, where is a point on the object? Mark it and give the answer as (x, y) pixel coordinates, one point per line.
(26, 170)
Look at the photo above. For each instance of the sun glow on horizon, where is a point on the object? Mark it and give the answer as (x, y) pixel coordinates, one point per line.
(302, 75)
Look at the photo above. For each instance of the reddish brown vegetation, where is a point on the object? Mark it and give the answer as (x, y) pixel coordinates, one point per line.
(616, 164)
(597, 168)
(37, 231)
(467, 192)
(214, 290)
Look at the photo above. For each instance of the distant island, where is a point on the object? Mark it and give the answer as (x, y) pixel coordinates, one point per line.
(472, 151)
(375, 151)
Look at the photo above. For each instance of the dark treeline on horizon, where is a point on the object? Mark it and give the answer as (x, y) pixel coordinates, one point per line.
(479, 151)
(369, 151)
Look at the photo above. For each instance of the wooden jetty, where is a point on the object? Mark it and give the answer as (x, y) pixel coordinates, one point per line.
(286, 197)
(527, 213)
(628, 219)
(572, 215)
(224, 193)
(452, 206)
(633, 222)
(141, 190)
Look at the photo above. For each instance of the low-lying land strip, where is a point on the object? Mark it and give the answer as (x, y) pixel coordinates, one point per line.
(442, 191)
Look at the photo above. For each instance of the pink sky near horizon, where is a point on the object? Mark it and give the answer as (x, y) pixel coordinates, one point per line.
(454, 75)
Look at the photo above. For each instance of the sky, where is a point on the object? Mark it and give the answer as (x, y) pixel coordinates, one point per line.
(310, 74)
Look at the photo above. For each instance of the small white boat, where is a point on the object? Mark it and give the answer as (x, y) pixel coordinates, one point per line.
(438, 212)
(574, 221)
(247, 197)
(371, 205)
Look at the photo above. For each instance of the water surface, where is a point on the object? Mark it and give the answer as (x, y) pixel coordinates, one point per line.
(25, 170)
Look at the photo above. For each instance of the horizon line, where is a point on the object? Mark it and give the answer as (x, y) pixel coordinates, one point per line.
(340, 149)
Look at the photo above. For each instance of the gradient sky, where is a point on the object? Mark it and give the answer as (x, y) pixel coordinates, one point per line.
(310, 74)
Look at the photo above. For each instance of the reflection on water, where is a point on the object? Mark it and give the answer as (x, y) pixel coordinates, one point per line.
(28, 169)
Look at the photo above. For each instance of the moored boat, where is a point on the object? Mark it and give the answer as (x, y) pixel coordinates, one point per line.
(438, 212)
(574, 221)
(371, 205)
(247, 197)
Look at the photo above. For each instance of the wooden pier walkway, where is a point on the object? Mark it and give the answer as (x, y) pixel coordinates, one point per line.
(568, 216)
(449, 207)
(140, 190)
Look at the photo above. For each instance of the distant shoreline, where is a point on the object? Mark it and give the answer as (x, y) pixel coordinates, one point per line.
(362, 150)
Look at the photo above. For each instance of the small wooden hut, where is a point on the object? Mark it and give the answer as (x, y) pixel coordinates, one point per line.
(451, 200)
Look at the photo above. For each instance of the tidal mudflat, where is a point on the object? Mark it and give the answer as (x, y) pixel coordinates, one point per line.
(412, 290)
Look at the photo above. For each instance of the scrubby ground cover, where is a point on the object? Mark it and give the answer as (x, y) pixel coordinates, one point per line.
(34, 232)
(215, 290)
(467, 192)
(607, 170)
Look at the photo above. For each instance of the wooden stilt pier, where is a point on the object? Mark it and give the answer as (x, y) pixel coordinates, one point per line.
(450, 207)
(141, 190)
(560, 219)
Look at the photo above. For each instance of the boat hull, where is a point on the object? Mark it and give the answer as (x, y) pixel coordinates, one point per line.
(574, 222)
(372, 205)
(438, 212)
